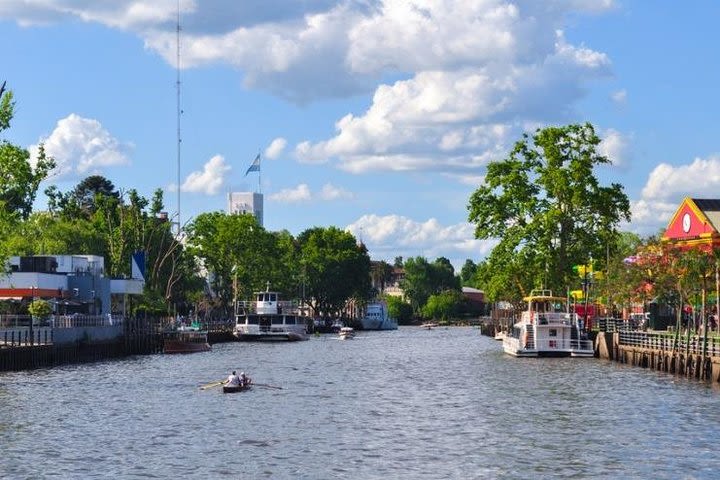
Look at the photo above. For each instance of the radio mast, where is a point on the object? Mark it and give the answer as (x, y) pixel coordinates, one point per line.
(179, 113)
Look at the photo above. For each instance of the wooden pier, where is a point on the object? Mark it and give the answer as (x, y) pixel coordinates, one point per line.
(661, 351)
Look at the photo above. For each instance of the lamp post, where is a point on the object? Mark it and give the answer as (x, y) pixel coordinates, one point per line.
(32, 300)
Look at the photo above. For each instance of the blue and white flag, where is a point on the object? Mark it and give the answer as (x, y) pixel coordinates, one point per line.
(255, 166)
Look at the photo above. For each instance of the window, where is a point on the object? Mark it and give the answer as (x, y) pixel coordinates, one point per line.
(552, 332)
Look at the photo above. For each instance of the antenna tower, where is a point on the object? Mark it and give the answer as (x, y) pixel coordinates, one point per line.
(179, 113)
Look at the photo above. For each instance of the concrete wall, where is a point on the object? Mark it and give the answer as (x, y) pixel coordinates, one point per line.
(94, 334)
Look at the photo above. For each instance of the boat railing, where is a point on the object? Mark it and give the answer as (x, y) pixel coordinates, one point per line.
(289, 307)
(564, 344)
(549, 318)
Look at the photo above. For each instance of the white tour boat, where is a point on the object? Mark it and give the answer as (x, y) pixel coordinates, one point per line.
(546, 329)
(267, 318)
(377, 317)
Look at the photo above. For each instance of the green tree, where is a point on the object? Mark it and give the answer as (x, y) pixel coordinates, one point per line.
(381, 273)
(336, 269)
(444, 306)
(467, 273)
(423, 279)
(39, 308)
(236, 251)
(19, 180)
(547, 208)
(399, 310)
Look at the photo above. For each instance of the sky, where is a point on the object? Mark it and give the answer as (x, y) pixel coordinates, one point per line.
(375, 116)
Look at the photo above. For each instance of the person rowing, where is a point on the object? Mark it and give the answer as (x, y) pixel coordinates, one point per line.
(244, 379)
(233, 380)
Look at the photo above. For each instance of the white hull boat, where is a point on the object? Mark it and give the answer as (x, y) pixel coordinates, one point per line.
(546, 329)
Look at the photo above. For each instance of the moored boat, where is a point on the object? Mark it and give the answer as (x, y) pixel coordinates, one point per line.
(377, 317)
(429, 326)
(547, 329)
(190, 339)
(269, 319)
(500, 335)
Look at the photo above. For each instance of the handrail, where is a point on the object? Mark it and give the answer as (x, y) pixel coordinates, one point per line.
(665, 342)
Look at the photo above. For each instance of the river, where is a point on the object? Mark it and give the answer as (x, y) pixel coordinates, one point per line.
(405, 404)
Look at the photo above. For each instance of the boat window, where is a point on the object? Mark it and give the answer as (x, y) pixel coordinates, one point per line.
(260, 297)
(552, 332)
(290, 320)
(277, 320)
(253, 320)
(273, 297)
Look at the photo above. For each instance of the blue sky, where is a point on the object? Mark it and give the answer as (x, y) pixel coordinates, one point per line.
(378, 116)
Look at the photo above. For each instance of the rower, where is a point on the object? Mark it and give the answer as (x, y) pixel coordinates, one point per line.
(233, 380)
(244, 379)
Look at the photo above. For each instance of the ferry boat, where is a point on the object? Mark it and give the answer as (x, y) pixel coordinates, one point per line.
(547, 329)
(186, 339)
(377, 317)
(269, 319)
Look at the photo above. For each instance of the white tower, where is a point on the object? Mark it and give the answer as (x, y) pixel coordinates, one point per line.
(246, 202)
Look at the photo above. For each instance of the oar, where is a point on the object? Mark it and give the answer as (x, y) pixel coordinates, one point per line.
(213, 384)
(266, 385)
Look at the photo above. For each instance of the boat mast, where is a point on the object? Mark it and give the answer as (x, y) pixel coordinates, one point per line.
(179, 112)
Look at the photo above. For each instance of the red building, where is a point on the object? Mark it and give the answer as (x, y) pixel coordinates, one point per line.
(696, 223)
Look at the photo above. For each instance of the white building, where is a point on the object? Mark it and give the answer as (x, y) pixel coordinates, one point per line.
(246, 202)
(75, 281)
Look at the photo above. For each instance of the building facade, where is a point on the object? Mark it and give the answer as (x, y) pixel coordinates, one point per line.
(246, 202)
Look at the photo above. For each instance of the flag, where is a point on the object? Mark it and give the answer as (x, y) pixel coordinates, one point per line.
(254, 166)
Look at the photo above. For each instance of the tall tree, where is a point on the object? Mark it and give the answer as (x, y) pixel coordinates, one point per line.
(19, 179)
(336, 268)
(545, 204)
(467, 273)
(381, 273)
(237, 252)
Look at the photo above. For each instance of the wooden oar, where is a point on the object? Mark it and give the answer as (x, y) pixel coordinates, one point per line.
(213, 384)
(266, 385)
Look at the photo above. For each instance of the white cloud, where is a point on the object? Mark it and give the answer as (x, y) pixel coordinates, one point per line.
(210, 180)
(82, 146)
(460, 118)
(331, 192)
(276, 147)
(615, 146)
(330, 48)
(394, 235)
(701, 178)
(472, 180)
(619, 97)
(301, 193)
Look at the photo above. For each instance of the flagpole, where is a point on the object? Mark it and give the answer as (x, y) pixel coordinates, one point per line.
(259, 174)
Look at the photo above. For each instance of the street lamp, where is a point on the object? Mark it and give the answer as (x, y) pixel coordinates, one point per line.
(32, 300)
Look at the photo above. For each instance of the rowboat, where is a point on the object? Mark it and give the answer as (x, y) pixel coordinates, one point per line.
(236, 388)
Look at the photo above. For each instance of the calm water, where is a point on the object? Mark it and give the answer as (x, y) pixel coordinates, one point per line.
(411, 403)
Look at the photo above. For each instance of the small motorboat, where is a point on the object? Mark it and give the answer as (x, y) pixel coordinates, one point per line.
(346, 333)
(236, 388)
(429, 326)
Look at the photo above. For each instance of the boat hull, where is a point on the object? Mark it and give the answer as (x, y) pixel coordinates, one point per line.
(174, 346)
(270, 337)
(235, 389)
